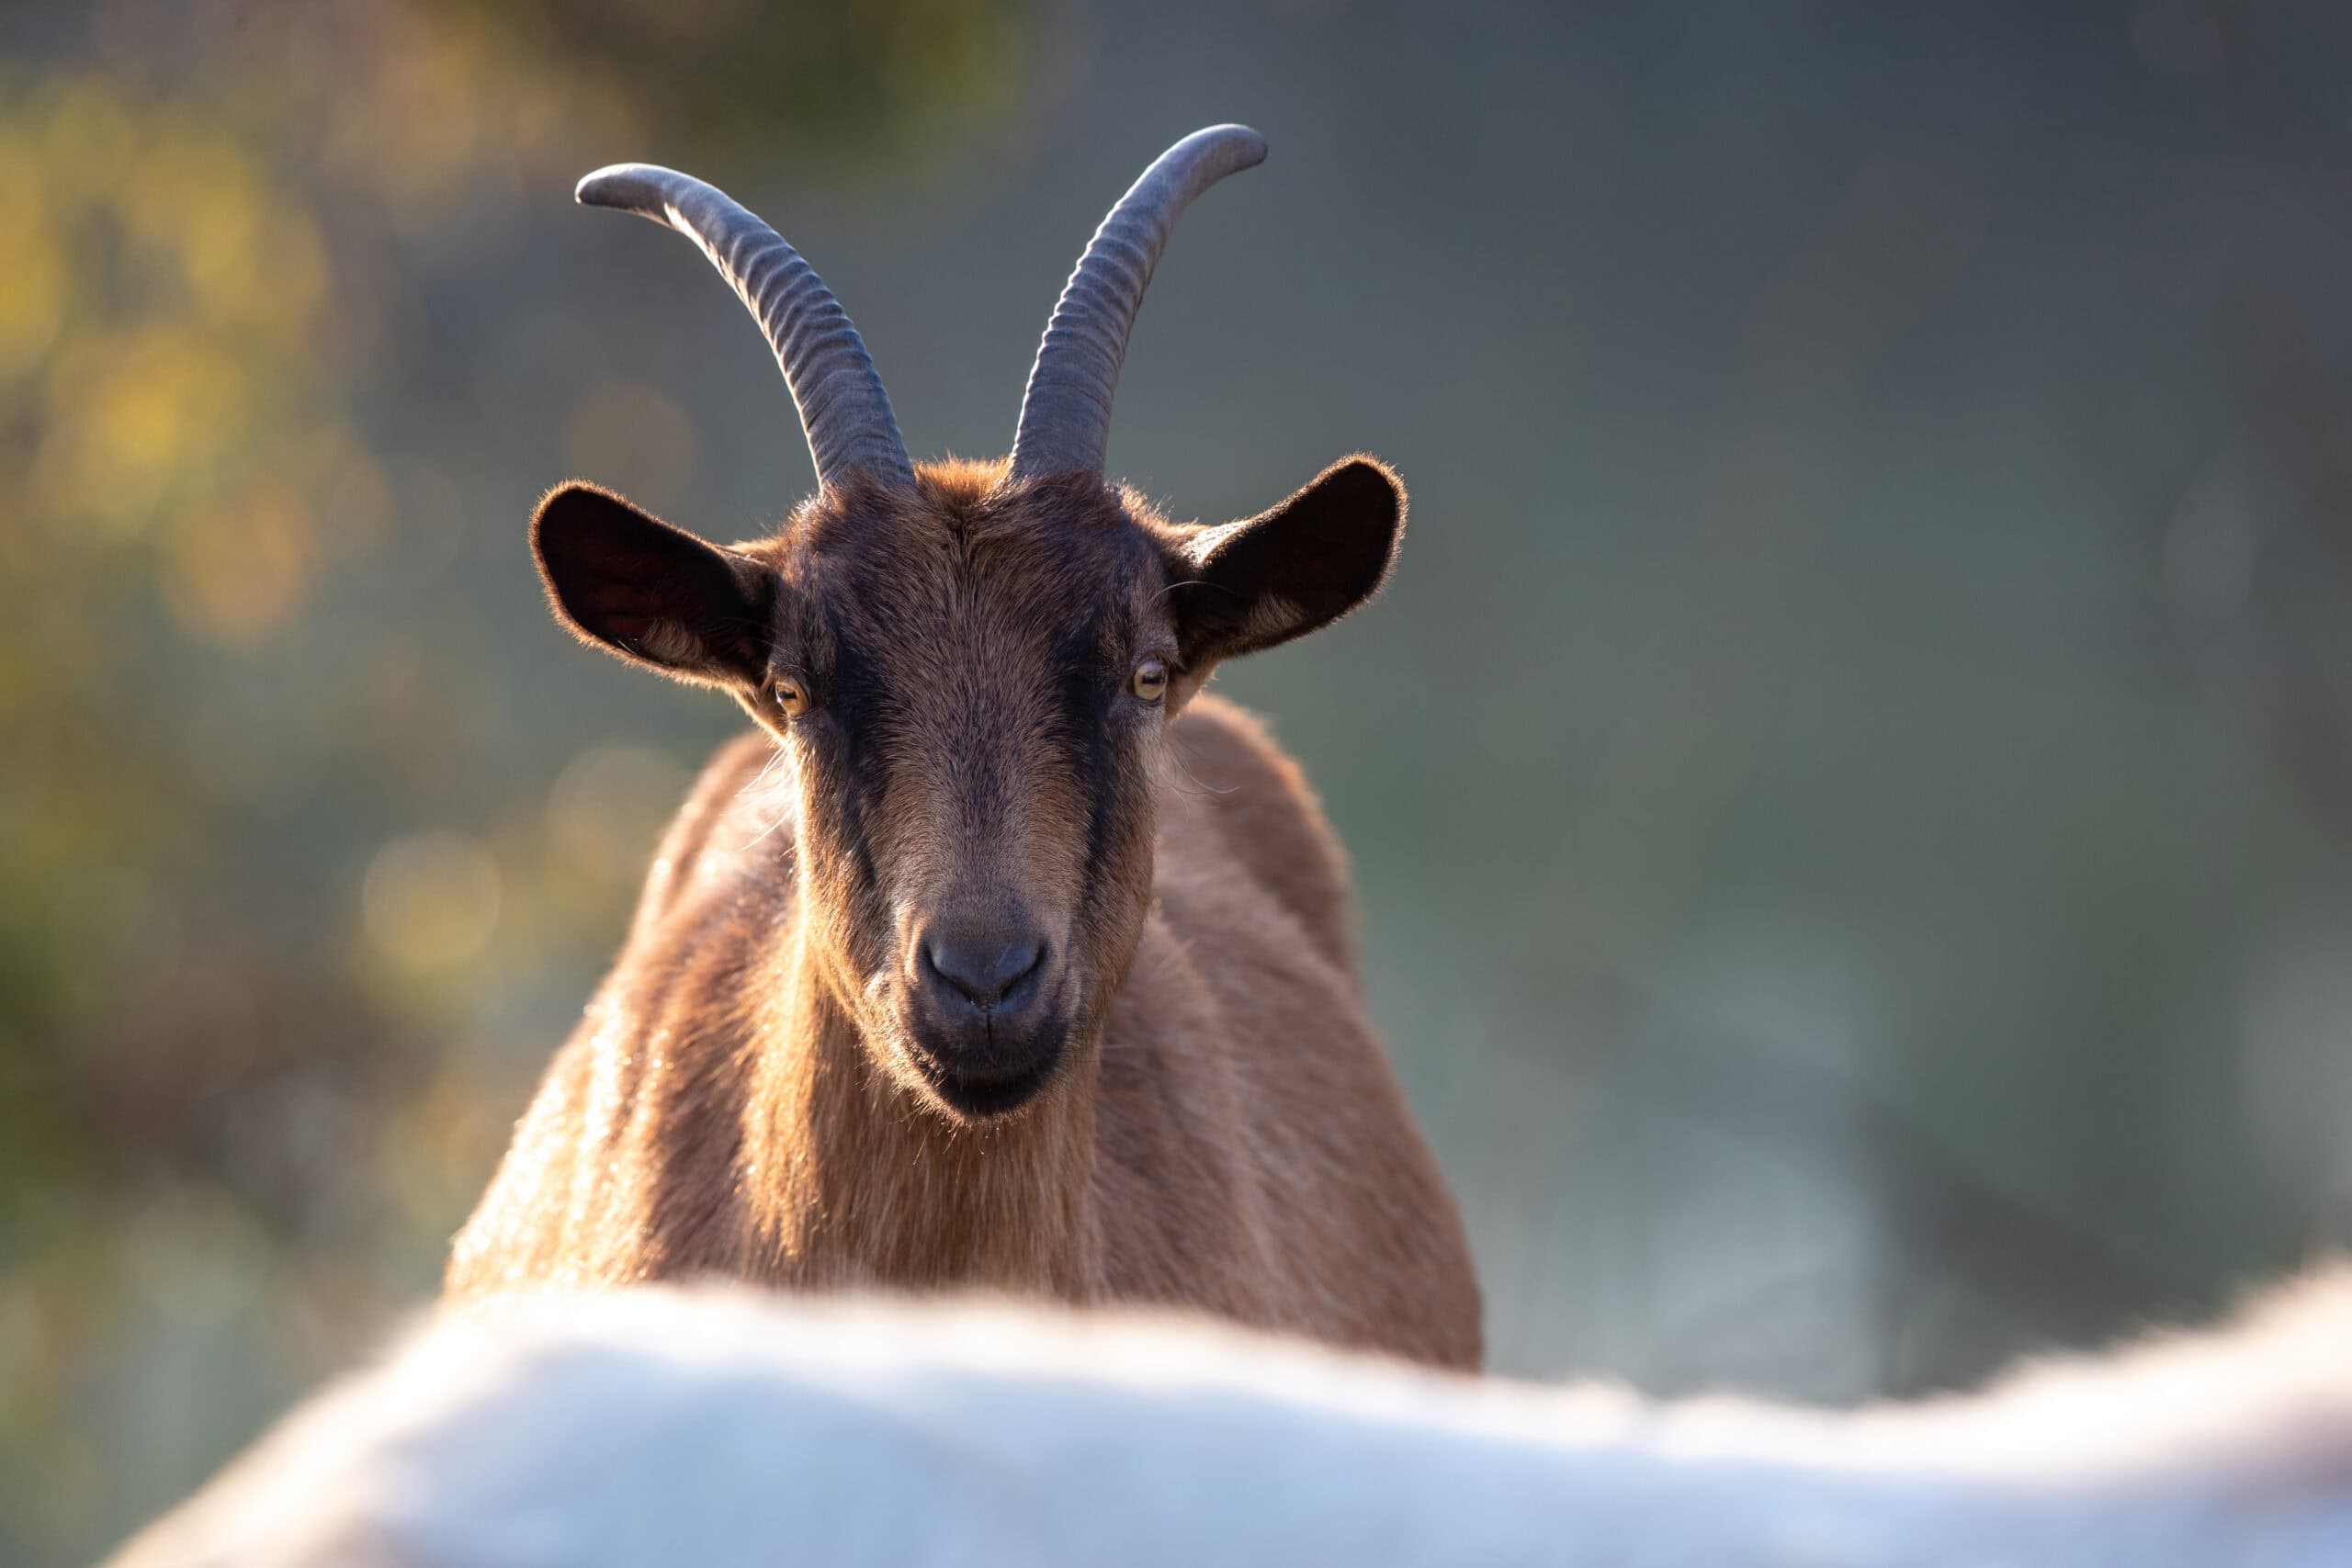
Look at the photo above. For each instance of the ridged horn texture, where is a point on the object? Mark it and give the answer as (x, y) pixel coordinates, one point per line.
(1065, 414)
(844, 410)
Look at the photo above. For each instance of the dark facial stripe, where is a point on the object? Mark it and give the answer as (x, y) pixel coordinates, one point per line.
(1085, 695)
(854, 700)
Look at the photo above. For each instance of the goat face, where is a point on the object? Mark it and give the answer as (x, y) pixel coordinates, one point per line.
(969, 666)
(970, 679)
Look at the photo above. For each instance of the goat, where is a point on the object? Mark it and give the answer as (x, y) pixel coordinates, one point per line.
(717, 1427)
(997, 953)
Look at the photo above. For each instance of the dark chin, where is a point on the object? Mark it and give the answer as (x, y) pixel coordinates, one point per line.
(978, 1087)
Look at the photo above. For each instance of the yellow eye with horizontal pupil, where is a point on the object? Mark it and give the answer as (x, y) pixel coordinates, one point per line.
(792, 697)
(1149, 681)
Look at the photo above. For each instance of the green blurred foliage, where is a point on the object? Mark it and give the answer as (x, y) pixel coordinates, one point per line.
(876, 77)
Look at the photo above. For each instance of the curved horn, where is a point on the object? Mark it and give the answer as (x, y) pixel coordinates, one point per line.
(843, 409)
(1065, 414)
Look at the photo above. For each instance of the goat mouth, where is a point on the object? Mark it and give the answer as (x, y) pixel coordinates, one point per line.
(979, 1090)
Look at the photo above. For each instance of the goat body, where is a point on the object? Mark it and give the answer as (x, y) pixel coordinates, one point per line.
(1003, 956)
(1238, 1145)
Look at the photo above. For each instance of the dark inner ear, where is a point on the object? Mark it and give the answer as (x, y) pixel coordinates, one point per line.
(623, 579)
(1293, 569)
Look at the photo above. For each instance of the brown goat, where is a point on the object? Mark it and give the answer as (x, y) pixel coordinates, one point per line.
(999, 955)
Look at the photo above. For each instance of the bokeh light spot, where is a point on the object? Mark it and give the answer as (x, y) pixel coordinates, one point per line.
(233, 576)
(634, 437)
(430, 901)
(608, 807)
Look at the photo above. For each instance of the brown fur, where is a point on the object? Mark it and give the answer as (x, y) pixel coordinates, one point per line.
(743, 1095)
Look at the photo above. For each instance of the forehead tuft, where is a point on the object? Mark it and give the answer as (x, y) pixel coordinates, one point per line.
(1060, 546)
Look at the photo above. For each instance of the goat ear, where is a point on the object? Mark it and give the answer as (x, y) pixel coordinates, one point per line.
(1291, 569)
(622, 579)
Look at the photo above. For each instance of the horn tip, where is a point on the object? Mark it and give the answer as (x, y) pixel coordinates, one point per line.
(625, 185)
(1244, 147)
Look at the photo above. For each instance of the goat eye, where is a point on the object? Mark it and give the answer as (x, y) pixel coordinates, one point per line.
(792, 697)
(1149, 681)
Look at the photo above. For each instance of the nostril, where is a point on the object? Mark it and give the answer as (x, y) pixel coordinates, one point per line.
(983, 971)
(1021, 961)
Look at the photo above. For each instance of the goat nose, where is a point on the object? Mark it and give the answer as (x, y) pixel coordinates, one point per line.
(985, 971)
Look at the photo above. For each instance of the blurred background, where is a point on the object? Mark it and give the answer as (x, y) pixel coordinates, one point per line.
(1851, 787)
